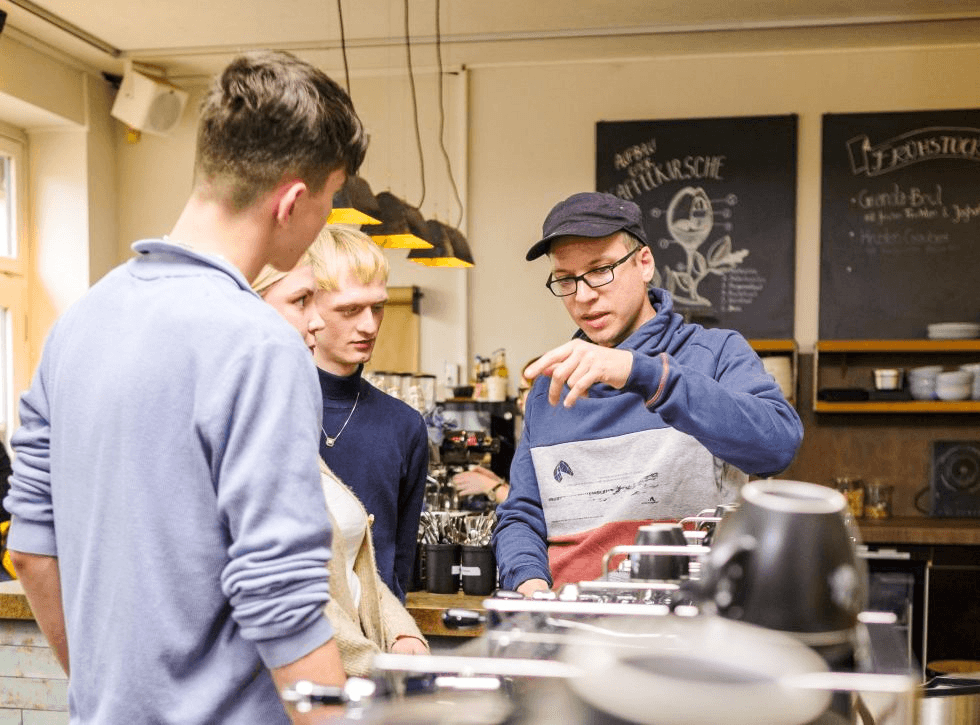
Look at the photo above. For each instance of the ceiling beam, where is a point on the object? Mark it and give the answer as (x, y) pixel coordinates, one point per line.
(70, 28)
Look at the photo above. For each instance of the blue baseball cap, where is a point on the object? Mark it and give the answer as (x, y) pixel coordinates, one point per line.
(589, 214)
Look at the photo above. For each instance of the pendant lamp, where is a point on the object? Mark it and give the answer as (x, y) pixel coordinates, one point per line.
(355, 204)
(401, 227)
(450, 248)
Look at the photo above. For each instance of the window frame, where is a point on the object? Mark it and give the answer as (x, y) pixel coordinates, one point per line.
(13, 282)
(14, 143)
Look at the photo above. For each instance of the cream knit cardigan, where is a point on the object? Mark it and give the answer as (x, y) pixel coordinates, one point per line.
(379, 619)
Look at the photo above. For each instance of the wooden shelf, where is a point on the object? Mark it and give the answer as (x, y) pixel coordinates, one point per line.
(899, 406)
(760, 345)
(870, 346)
(848, 359)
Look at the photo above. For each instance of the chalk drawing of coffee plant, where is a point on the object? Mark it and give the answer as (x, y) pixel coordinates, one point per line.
(690, 220)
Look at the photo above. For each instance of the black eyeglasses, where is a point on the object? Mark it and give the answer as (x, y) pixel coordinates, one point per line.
(564, 286)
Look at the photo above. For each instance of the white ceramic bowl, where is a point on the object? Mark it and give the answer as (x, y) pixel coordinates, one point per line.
(954, 385)
(952, 391)
(922, 389)
(926, 371)
(975, 369)
(955, 377)
(922, 381)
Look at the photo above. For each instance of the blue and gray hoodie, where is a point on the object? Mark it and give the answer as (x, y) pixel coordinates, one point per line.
(698, 413)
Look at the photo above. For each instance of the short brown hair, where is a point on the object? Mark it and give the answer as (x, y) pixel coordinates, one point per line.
(270, 116)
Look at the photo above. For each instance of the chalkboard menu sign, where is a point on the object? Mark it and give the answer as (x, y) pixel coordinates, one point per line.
(719, 209)
(900, 223)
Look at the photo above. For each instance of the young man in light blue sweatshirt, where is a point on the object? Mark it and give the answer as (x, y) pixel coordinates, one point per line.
(169, 526)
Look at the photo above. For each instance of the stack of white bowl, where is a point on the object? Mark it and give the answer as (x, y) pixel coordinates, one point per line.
(975, 369)
(922, 381)
(954, 385)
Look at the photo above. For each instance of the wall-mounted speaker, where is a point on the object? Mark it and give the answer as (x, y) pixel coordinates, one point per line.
(148, 104)
(955, 478)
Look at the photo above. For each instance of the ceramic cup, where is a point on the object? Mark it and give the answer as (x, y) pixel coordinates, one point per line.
(657, 567)
(786, 559)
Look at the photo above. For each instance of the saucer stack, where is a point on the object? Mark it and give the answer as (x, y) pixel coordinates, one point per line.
(953, 330)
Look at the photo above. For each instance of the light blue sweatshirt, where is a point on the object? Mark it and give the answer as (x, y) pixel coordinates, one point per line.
(167, 457)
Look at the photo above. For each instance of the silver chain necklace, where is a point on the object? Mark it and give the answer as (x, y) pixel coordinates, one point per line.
(333, 439)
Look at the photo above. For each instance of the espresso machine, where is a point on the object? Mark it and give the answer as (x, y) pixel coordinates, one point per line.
(458, 450)
(752, 634)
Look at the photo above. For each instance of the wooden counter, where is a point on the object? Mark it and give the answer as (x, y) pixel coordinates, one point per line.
(13, 601)
(427, 610)
(920, 530)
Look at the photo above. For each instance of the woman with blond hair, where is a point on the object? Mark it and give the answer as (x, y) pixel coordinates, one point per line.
(366, 616)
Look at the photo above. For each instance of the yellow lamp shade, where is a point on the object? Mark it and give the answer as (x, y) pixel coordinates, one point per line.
(401, 227)
(450, 248)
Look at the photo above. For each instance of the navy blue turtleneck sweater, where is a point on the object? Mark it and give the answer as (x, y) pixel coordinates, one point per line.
(383, 456)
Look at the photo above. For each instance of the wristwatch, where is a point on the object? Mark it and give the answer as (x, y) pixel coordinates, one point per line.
(493, 490)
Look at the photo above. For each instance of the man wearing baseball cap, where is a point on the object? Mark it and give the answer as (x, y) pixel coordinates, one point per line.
(640, 417)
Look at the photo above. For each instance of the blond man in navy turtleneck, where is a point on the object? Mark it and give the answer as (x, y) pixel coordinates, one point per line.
(377, 444)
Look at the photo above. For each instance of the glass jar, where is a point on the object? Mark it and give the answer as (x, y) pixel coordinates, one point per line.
(853, 489)
(426, 385)
(878, 500)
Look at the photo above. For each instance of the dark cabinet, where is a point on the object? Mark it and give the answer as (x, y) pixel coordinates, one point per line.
(935, 593)
(953, 631)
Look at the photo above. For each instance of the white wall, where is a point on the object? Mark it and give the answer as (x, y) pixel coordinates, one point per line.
(59, 175)
(73, 229)
(154, 174)
(100, 151)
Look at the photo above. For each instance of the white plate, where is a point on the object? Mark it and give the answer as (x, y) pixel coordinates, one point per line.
(953, 336)
(704, 669)
(953, 325)
(952, 330)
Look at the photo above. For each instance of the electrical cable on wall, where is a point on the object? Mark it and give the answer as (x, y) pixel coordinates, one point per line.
(343, 44)
(442, 118)
(415, 105)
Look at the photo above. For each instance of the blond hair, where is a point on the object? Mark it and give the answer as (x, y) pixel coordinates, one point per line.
(338, 250)
(269, 275)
